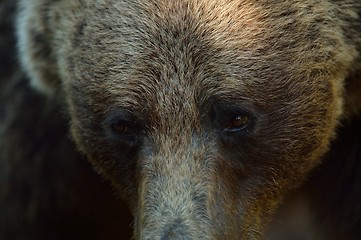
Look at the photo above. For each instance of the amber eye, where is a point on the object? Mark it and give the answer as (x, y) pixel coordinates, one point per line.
(238, 123)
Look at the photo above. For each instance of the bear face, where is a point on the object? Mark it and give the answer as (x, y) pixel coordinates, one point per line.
(202, 114)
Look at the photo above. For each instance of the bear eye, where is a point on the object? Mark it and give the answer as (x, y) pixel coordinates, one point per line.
(122, 127)
(232, 120)
(237, 123)
(125, 128)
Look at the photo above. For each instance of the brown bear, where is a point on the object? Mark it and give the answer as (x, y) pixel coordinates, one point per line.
(210, 119)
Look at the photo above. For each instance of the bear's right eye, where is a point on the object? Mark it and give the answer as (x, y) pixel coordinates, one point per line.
(123, 129)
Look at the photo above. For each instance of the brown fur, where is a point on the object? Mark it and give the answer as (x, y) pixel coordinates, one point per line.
(48, 190)
(172, 72)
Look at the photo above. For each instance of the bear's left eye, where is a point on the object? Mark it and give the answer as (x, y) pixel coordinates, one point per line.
(237, 123)
(232, 121)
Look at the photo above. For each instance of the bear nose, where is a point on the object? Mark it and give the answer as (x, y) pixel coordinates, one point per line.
(176, 231)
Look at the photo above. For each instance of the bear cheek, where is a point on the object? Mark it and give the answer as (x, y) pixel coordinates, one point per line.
(114, 161)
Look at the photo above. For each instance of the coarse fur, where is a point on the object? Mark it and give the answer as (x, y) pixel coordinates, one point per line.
(173, 74)
(48, 190)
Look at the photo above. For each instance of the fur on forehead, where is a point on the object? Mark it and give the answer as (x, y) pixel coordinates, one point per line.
(47, 40)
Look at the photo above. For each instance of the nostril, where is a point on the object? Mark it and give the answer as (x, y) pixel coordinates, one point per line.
(175, 231)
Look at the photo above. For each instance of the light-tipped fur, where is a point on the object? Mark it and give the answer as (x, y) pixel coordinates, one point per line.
(172, 71)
